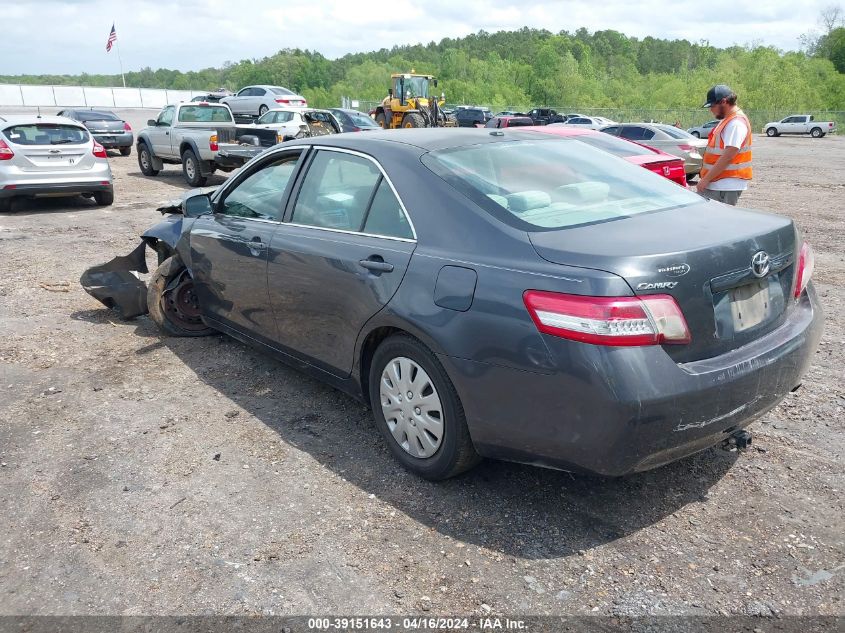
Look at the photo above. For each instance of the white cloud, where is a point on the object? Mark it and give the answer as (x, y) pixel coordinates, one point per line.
(69, 36)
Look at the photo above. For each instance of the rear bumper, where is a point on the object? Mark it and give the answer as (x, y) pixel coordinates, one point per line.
(54, 189)
(615, 411)
(119, 139)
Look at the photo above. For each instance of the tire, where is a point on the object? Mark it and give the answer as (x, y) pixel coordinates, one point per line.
(104, 198)
(145, 160)
(262, 110)
(126, 151)
(816, 132)
(772, 132)
(191, 169)
(454, 452)
(413, 120)
(381, 119)
(695, 134)
(175, 311)
(5, 205)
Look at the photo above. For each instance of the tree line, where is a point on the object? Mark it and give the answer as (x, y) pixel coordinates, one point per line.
(534, 67)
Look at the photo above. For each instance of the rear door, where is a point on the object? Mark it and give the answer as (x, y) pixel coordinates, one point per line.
(339, 259)
(50, 147)
(229, 247)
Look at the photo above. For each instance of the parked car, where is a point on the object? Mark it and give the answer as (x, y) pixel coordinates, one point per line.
(291, 123)
(703, 130)
(654, 160)
(108, 129)
(612, 316)
(354, 120)
(800, 124)
(545, 116)
(667, 138)
(471, 117)
(212, 97)
(585, 122)
(50, 156)
(509, 121)
(197, 135)
(256, 100)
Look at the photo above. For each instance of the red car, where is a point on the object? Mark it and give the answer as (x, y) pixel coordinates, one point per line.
(510, 121)
(659, 162)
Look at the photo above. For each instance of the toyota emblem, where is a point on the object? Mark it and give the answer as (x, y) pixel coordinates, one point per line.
(760, 264)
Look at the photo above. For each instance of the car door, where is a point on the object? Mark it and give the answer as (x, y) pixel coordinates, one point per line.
(240, 102)
(229, 246)
(160, 134)
(339, 257)
(791, 125)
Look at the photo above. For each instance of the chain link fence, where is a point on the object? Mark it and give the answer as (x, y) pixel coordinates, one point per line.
(685, 117)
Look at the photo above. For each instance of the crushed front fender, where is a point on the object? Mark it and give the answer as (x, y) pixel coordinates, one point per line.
(115, 285)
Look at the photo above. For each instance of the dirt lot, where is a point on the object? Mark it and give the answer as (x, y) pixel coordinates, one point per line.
(151, 475)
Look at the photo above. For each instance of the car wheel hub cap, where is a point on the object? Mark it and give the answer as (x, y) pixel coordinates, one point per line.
(415, 421)
(189, 168)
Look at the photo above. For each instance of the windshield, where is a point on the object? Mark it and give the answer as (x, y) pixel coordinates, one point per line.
(554, 184)
(46, 134)
(96, 116)
(204, 114)
(416, 87)
(281, 91)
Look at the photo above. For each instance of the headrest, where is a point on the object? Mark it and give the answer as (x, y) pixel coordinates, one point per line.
(527, 200)
(582, 192)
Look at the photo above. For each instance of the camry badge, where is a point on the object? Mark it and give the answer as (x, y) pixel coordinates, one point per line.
(760, 264)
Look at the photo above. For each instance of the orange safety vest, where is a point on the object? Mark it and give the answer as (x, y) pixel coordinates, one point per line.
(740, 166)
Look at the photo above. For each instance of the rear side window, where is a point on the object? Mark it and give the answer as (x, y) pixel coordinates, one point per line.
(204, 114)
(46, 134)
(385, 216)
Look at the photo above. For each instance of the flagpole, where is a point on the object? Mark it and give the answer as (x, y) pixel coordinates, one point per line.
(120, 61)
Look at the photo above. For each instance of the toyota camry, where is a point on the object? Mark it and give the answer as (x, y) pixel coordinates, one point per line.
(505, 294)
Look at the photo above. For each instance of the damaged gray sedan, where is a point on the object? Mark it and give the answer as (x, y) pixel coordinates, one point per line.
(507, 294)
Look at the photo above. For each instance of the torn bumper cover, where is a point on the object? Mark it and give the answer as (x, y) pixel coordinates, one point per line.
(115, 285)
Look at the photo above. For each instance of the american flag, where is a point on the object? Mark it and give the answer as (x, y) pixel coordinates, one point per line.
(112, 38)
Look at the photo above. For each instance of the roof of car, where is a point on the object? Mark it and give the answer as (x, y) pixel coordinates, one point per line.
(23, 119)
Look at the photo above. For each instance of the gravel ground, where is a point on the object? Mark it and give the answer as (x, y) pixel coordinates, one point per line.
(151, 475)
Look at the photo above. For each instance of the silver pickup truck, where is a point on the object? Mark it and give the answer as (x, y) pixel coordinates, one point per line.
(192, 135)
(799, 124)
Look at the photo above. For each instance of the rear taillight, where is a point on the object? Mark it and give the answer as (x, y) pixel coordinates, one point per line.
(6, 152)
(356, 129)
(651, 320)
(99, 150)
(127, 127)
(212, 143)
(686, 148)
(282, 100)
(806, 264)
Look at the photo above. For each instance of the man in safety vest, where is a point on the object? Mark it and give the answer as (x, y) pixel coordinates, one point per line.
(727, 158)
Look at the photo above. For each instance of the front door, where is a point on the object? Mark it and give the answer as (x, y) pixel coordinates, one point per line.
(160, 134)
(229, 247)
(339, 259)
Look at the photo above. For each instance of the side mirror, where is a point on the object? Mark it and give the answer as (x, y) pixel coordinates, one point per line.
(435, 83)
(197, 205)
(152, 122)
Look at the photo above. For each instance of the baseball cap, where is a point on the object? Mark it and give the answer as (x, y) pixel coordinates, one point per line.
(716, 94)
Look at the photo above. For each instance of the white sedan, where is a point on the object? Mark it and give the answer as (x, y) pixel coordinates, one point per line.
(299, 122)
(588, 122)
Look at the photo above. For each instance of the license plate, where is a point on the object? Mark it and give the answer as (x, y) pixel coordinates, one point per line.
(750, 305)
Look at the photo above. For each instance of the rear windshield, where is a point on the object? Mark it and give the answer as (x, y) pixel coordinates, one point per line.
(520, 122)
(361, 120)
(613, 145)
(674, 132)
(553, 184)
(205, 114)
(281, 91)
(96, 116)
(46, 134)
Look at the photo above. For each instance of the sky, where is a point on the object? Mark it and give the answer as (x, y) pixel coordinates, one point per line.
(69, 36)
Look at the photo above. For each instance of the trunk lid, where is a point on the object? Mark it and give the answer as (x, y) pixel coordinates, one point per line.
(702, 256)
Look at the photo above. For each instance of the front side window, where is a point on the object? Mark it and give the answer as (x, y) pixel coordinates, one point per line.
(46, 134)
(260, 195)
(166, 116)
(554, 184)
